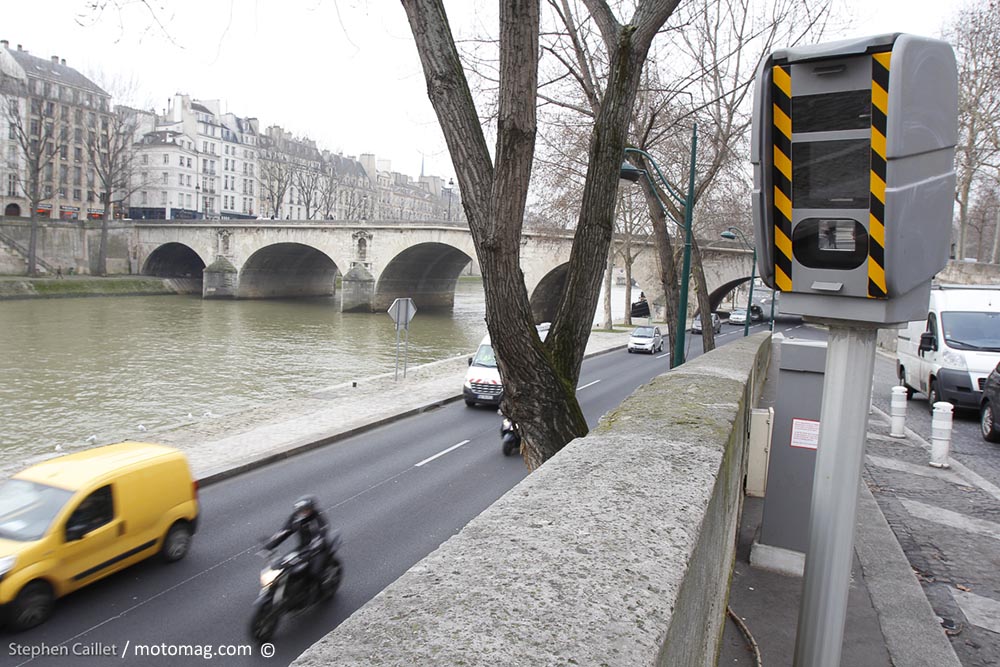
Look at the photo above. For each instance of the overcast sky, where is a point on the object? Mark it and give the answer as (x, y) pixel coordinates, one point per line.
(344, 73)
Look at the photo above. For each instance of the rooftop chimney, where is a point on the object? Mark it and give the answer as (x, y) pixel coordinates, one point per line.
(4, 43)
(62, 61)
(18, 47)
(55, 59)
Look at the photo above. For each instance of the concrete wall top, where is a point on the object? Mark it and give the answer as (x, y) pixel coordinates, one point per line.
(590, 560)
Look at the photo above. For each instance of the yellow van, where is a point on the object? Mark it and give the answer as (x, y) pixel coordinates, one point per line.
(71, 520)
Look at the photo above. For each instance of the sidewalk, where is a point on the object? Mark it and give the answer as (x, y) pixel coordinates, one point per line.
(889, 619)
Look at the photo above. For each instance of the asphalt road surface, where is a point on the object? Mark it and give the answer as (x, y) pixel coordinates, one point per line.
(395, 492)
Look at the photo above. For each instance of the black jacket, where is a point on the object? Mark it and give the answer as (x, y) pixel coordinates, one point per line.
(309, 530)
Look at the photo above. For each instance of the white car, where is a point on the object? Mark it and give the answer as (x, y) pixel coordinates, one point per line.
(738, 316)
(645, 339)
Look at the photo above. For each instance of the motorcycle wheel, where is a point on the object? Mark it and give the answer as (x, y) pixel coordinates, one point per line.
(332, 577)
(509, 445)
(264, 623)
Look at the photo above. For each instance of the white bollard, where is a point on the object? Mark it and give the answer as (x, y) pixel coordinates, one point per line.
(941, 434)
(897, 412)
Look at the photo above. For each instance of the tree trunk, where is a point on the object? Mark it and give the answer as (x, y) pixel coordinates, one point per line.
(608, 322)
(33, 243)
(704, 298)
(102, 252)
(996, 234)
(628, 294)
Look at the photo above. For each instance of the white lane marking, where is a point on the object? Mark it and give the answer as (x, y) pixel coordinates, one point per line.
(589, 384)
(914, 469)
(951, 519)
(441, 453)
(665, 354)
(981, 611)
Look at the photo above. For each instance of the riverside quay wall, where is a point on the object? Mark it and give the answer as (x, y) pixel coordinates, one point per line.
(70, 246)
(617, 551)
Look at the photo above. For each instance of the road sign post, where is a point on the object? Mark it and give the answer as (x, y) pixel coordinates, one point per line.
(402, 311)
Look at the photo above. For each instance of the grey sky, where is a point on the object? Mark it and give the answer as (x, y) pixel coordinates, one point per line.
(344, 73)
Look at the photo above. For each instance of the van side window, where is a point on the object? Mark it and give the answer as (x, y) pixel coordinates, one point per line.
(93, 512)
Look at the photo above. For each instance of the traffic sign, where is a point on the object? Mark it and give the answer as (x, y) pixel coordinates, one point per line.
(402, 311)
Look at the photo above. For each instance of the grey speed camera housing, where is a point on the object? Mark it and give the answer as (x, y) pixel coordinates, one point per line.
(854, 179)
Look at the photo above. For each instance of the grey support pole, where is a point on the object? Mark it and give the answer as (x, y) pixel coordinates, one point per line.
(850, 363)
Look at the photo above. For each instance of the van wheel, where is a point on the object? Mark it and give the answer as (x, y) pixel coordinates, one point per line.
(987, 423)
(901, 375)
(177, 542)
(932, 396)
(469, 403)
(32, 606)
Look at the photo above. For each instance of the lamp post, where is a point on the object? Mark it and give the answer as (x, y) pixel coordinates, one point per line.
(733, 233)
(632, 174)
(451, 190)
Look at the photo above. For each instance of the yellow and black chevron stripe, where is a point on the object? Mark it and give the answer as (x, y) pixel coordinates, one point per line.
(876, 205)
(781, 77)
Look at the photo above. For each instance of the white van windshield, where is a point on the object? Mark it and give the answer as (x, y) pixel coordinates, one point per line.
(27, 508)
(485, 357)
(971, 330)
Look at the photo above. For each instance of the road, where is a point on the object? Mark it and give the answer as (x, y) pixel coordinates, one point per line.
(395, 492)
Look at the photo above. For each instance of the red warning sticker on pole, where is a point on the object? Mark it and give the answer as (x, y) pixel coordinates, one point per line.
(805, 433)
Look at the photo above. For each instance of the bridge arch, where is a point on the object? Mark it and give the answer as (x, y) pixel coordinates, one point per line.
(174, 260)
(426, 272)
(287, 270)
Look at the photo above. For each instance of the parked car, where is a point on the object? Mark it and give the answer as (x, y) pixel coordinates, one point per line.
(645, 339)
(989, 407)
(716, 323)
(738, 316)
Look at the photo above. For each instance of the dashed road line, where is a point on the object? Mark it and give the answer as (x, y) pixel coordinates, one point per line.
(914, 469)
(951, 519)
(979, 610)
(441, 453)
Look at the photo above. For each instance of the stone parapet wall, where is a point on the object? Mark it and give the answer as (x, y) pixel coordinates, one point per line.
(74, 245)
(617, 551)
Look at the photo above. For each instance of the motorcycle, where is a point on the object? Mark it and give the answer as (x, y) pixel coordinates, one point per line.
(287, 588)
(510, 436)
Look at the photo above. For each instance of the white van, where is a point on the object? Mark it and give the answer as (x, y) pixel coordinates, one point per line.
(948, 355)
(482, 380)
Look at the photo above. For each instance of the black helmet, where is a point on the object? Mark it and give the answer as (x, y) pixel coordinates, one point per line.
(304, 507)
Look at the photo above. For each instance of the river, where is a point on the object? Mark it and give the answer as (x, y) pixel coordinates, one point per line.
(110, 367)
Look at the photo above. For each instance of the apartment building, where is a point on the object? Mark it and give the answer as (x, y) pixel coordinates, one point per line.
(53, 115)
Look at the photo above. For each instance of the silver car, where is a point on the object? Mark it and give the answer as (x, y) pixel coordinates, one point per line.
(645, 339)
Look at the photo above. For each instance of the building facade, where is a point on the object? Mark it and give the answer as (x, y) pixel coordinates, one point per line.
(53, 118)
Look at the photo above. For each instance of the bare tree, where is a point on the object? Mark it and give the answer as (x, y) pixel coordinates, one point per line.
(38, 142)
(309, 182)
(539, 378)
(111, 153)
(975, 36)
(276, 177)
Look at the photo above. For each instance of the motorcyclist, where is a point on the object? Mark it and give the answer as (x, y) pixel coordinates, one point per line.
(308, 522)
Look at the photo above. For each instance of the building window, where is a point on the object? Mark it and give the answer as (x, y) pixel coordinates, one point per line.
(163, 177)
(180, 179)
(142, 198)
(166, 158)
(163, 197)
(76, 194)
(145, 159)
(11, 185)
(180, 160)
(78, 154)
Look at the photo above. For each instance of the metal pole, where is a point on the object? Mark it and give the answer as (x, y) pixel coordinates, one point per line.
(753, 268)
(397, 352)
(677, 358)
(772, 305)
(850, 363)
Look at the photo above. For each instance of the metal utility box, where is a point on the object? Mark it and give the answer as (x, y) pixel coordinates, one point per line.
(853, 152)
(785, 521)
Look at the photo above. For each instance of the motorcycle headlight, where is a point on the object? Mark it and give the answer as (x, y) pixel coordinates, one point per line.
(267, 577)
(506, 424)
(7, 564)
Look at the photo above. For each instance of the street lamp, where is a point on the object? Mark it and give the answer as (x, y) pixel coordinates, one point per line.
(451, 189)
(732, 233)
(630, 173)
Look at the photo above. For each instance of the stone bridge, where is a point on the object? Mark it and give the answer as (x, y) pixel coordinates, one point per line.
(379, 262)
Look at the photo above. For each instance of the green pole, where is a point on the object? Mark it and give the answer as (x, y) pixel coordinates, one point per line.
(677, 358)
(753, 269)
(772, 309)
